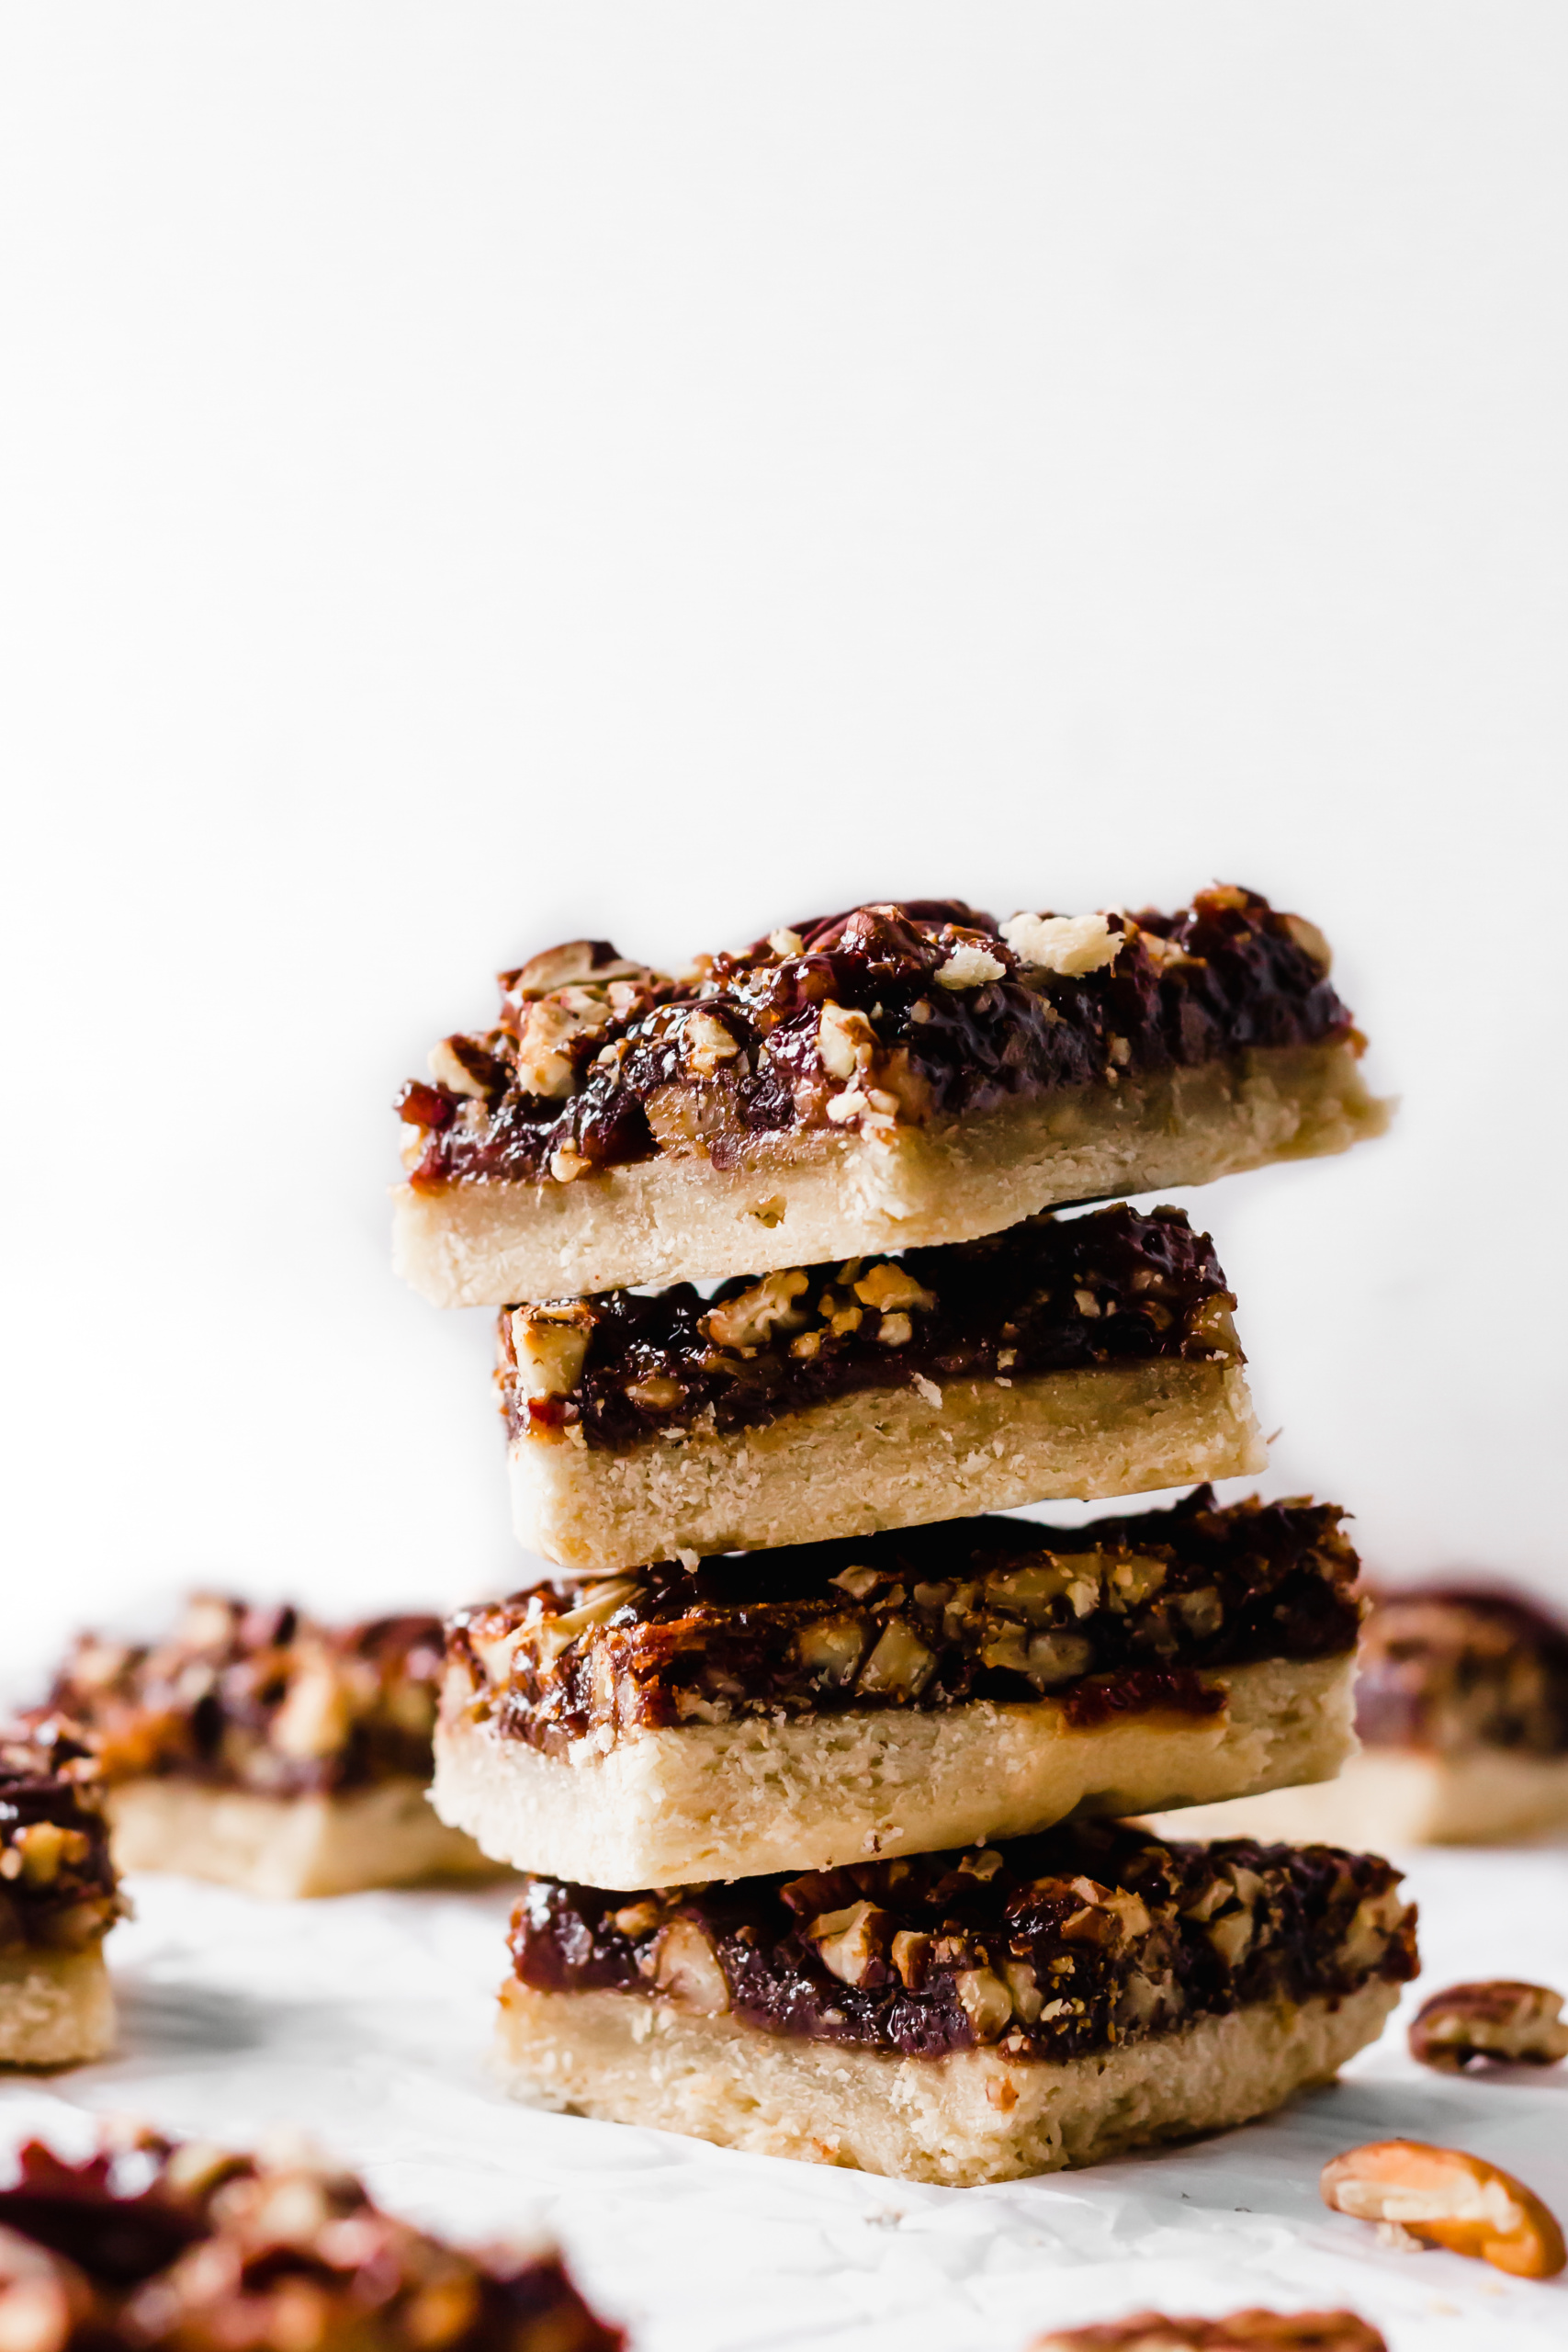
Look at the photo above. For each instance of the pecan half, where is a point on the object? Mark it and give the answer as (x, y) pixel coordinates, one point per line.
(1450, 2198)
(1517, 2024)
(1249, 2331)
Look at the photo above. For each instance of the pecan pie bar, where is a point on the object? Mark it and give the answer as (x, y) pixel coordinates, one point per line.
(156, 2243)
(1462, 1708)
(981, 1679)
(962, 2016)
(897, 1076)
(58, 1900)
(1068, 1357)
(272, 1753)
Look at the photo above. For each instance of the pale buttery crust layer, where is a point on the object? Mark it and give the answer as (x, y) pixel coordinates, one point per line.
(812, 1194)
(283, 1847)
(723, 1801)
(970, 2117)
(56, 2009)
(1385, 1797)
(885, 1458)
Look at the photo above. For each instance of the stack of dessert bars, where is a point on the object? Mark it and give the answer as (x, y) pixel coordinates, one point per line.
(821, 1772)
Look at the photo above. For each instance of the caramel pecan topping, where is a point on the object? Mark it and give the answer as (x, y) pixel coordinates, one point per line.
(1052, 1294)
(1047, 1947)
(151, 2243)
(891, 1013)
(260, 1698)
(1452, 1669)
(57, 1883)
(1117, 1616)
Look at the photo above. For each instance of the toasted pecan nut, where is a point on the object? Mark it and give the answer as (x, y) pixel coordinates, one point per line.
(1450, 2198)
(1515, 2023)
(1248, 2331)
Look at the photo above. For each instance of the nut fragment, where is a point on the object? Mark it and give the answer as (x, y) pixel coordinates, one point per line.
(688, 1969)
(901, 1665)
(988, 2004)
(557, 967)
(1069, 946)
(1517, 2024)
(1450, 2198)
(970, 966)
(598, 1605)
(315, 1716)
(750, 1320)
(708, 1043)
(550, 1343)
(548, 1027)
(449, 1070)
(830, 1648)
(845, 1040)
(850, 1942)
(890, 1287)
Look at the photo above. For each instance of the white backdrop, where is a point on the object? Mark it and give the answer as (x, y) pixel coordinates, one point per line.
(475, 474)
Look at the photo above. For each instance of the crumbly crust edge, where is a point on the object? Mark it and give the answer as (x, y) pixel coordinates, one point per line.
(971, 2117)
(673, 1808)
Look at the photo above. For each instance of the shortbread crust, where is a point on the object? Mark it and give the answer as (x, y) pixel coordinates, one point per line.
(332, 1843)
(56, 2007)
(730, 1801)
(886, 1459)
(970, 2117)
(829, 1193)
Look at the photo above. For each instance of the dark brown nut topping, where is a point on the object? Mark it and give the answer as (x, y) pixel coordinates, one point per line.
(1048, 1947)
(1051, 1294)
(1118, 1617)
(260, 1698)
(1447, 2198)
(1249, 2331)
(887, 1013)
(58, 1888)
(1514, 2024)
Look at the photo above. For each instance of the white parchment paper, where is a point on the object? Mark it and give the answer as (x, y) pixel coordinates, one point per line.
(365, 2021)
